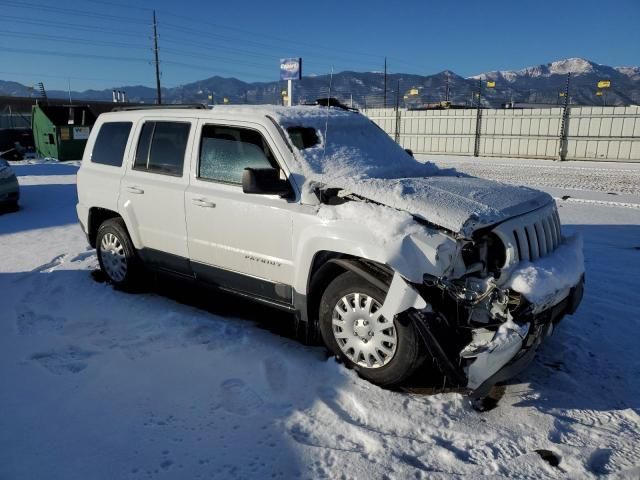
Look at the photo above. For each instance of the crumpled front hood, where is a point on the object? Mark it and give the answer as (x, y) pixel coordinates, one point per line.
(458, 203)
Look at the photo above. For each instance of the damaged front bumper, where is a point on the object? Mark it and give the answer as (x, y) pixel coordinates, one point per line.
(483, 374)
(494, 354)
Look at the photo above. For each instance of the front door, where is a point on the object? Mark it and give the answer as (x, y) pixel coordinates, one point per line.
(237, 240)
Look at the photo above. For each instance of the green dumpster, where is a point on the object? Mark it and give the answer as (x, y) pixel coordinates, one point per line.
(61, 131)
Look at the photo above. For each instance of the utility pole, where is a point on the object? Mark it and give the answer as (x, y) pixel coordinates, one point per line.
(476, 149)
(564, 126)
(157, 61)
(446, 88)
(385, 82)
(397, 132)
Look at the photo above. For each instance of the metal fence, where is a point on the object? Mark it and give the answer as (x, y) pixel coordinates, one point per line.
(15, 120)
(592, 133)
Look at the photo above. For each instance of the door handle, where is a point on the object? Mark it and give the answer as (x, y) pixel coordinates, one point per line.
(136, 190)
(201, 202)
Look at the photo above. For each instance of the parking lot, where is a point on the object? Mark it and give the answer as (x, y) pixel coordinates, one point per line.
(178, 383)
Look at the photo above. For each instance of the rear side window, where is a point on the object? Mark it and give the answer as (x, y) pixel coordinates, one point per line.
(161, 147)
(226, 151)
(110, 143)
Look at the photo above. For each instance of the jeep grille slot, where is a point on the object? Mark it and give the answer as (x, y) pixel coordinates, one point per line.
(535, 236)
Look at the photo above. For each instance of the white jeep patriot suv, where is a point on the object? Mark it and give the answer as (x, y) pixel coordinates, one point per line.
(315, 210)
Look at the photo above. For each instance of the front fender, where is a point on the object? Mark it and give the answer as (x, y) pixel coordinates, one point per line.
(318, 238)
(419, 251)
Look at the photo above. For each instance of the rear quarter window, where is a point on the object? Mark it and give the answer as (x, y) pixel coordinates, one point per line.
(110, 143)
(303, 137)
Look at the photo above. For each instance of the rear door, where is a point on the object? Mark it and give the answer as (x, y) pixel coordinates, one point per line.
(237, 240)
(152, 192)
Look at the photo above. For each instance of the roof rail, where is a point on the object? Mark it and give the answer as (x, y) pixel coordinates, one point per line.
(175, 106)
(332, 102)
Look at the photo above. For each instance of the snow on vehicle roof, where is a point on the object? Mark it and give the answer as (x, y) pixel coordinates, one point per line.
(355, 148)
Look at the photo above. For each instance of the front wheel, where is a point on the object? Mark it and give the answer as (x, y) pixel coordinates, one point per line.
(116, 255)
(384, 351)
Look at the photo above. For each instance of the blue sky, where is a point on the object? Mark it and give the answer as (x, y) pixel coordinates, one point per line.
(101, 44)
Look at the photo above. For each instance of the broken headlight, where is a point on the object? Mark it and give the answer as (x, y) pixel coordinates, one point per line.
(485, 256)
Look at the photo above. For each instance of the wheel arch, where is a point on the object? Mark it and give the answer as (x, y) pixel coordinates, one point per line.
(97, 216)
(327, 265)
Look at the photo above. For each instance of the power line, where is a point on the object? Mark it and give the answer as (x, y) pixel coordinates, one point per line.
(265, 67)
(12, 20)
(86, 41)
(72, 77)
(210, 71)
(252, 53)
(200, 45)
(190, 30)
(72, 55)
(112, 58)
(71, 11)
(124, 5)
(235, 40)
(262, 67)
(234, 29)
(180, 53)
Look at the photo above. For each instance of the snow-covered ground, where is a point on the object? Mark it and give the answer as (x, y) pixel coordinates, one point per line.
(611, 182)
(176, 383)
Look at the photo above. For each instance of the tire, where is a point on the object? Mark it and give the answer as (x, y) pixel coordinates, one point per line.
(9, 206)
(117, 256)
(358, 329)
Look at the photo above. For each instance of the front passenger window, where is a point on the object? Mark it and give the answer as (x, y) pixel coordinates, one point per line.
(161, 147)
(226, 151)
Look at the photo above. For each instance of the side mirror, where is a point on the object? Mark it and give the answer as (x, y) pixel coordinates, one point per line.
(409, 151)
(265, 181)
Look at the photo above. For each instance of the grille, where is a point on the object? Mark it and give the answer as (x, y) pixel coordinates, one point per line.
(537, 238)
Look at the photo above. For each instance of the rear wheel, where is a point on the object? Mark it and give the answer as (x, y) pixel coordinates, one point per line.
(382, 350)
(116, 254)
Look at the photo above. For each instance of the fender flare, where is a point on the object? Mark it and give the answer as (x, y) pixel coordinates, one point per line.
(362, 270)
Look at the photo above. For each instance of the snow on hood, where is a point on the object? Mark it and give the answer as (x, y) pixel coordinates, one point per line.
(359, 157)
(458, 203)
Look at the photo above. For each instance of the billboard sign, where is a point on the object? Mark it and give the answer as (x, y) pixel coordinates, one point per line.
(290, 68)
(604, 83)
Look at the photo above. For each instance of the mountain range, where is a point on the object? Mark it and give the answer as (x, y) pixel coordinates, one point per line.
(540, 84)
